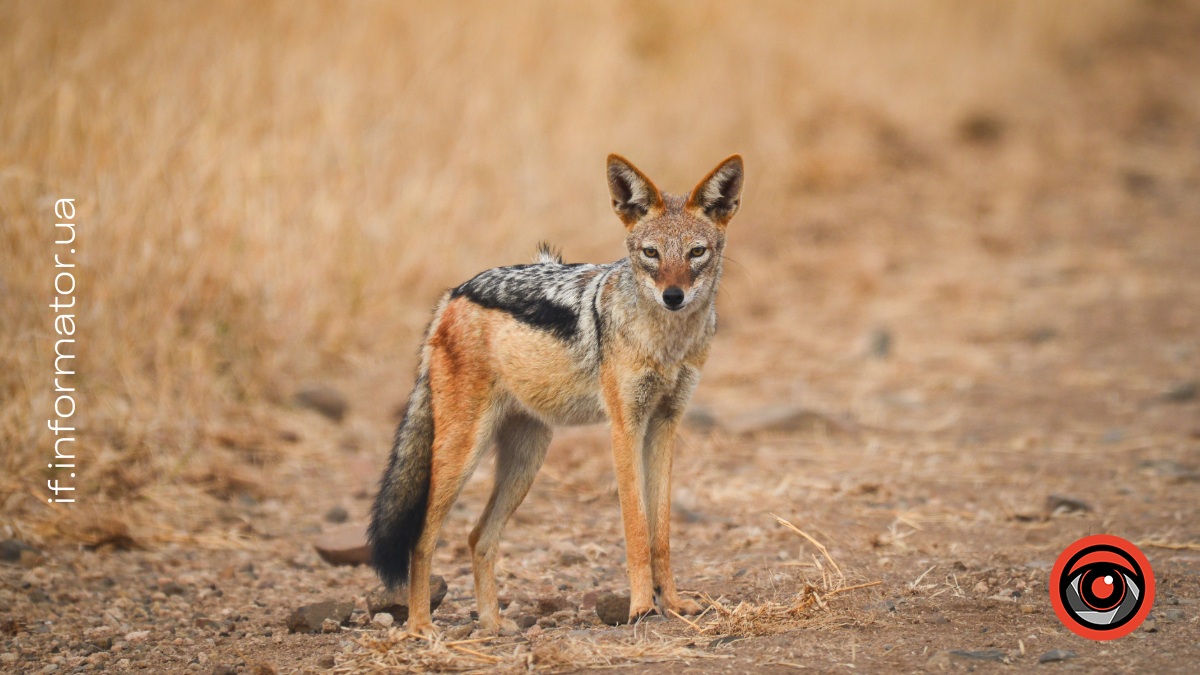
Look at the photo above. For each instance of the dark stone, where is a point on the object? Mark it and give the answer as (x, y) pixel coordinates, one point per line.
(568, 559)
(613, 609)
(172, 588)
(985, 655)
(326, 661)
(1067, 504)
(700, 420)
(881, 606)
(1182, 392)
(224, 670)
(103, 644)
(308, 619)
(337, 514)
(13, 551)
(346, 545)
(526, 621)
(324, 400)
(380, 599)
(881, 343)
(1055, 655)
(549, 604)
(38, 595)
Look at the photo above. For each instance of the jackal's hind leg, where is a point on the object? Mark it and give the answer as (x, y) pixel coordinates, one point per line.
(521, 448)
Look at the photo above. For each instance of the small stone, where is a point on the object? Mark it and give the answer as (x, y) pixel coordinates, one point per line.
(324, 400)
(331, 626)
(262, 668)
(939, 619)
(460, 632)
(534, 630)
(1182, 392)
(337, 514)
(224, 670)
(311, 618)
(1055, 655)
(1028, 609)
(1150, 625)
(526, 621)
(984, 655)
(981, 588)
(346, 545)
(122, 664)
(1066, 504)
(589, 599)
(549, 604)
(383, 620)
(172, 588)
(881, 606)
(939, 662)
(1173, 615)
(326, 661)
(700, 419)
(881, 343)
(547, 622)
(572, 558)
(18, 552)
(395, 602)
(137, 636)
(104, 644)
(613, 609)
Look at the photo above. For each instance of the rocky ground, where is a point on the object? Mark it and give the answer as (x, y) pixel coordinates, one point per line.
(961, 541)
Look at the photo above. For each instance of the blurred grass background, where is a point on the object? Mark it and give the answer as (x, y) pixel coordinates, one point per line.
(273, 193)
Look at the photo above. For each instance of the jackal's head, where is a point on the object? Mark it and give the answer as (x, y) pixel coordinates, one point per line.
(675, 243)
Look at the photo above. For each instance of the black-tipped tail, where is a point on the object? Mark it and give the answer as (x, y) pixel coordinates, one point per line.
(398, 516)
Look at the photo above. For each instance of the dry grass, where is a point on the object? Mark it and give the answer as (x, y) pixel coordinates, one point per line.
(811, 606)
(271, 194)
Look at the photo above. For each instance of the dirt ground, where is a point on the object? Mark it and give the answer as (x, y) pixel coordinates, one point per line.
(946, 352)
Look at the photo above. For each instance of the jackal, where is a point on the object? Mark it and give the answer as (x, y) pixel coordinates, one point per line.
(519, 349)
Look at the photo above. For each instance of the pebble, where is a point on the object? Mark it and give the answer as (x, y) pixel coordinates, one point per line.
(460, 632)
(310, 618)
(331, 626)
(326, 661)
(526, 621)
(395, 602)
(1150, 625)
(346, 545)
(1173, 615)
(337, 514)
(324, 400)
(613, 609)
(534, 630)
(224, 670)
(14, 551)
(549, 604)
(1055, 655)
(1066, 504)
(383, 620)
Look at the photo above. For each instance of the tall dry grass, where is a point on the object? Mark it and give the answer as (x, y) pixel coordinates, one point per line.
(274, 193)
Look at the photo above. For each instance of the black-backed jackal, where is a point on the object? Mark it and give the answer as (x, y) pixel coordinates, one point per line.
(519, 349)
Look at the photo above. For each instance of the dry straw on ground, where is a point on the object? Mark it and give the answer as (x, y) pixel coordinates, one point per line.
(810, 606)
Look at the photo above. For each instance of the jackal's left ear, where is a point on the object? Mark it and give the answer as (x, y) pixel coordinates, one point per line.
(719, 195)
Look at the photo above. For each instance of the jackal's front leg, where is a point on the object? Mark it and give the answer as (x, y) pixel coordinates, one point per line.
(659, 454)
(628, 434)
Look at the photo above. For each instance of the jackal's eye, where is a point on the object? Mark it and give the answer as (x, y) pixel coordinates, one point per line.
(650, 252)
(698, 251)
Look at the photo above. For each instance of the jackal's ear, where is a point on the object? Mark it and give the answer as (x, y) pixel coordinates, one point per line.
(633, 195)
(719, 195)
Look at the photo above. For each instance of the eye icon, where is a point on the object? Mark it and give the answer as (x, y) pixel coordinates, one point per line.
(1102, 587)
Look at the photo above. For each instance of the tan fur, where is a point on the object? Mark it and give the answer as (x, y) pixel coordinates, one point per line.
(493, 378)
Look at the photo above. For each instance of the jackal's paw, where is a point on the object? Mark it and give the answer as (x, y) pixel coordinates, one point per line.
(685, 607)
(639, 611)
(501, 626)
(425, 631)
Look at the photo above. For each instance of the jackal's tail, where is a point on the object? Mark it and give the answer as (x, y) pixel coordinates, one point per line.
(398, 516)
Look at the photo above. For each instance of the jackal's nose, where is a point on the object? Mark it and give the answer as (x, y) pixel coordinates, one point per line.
(673, 296)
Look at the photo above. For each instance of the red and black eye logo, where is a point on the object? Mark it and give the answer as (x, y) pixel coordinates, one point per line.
(1102, 587)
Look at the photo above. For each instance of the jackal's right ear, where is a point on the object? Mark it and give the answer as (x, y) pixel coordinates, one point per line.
(633, 195)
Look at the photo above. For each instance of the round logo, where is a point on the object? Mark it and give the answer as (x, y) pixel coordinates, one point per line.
(1102, 587)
